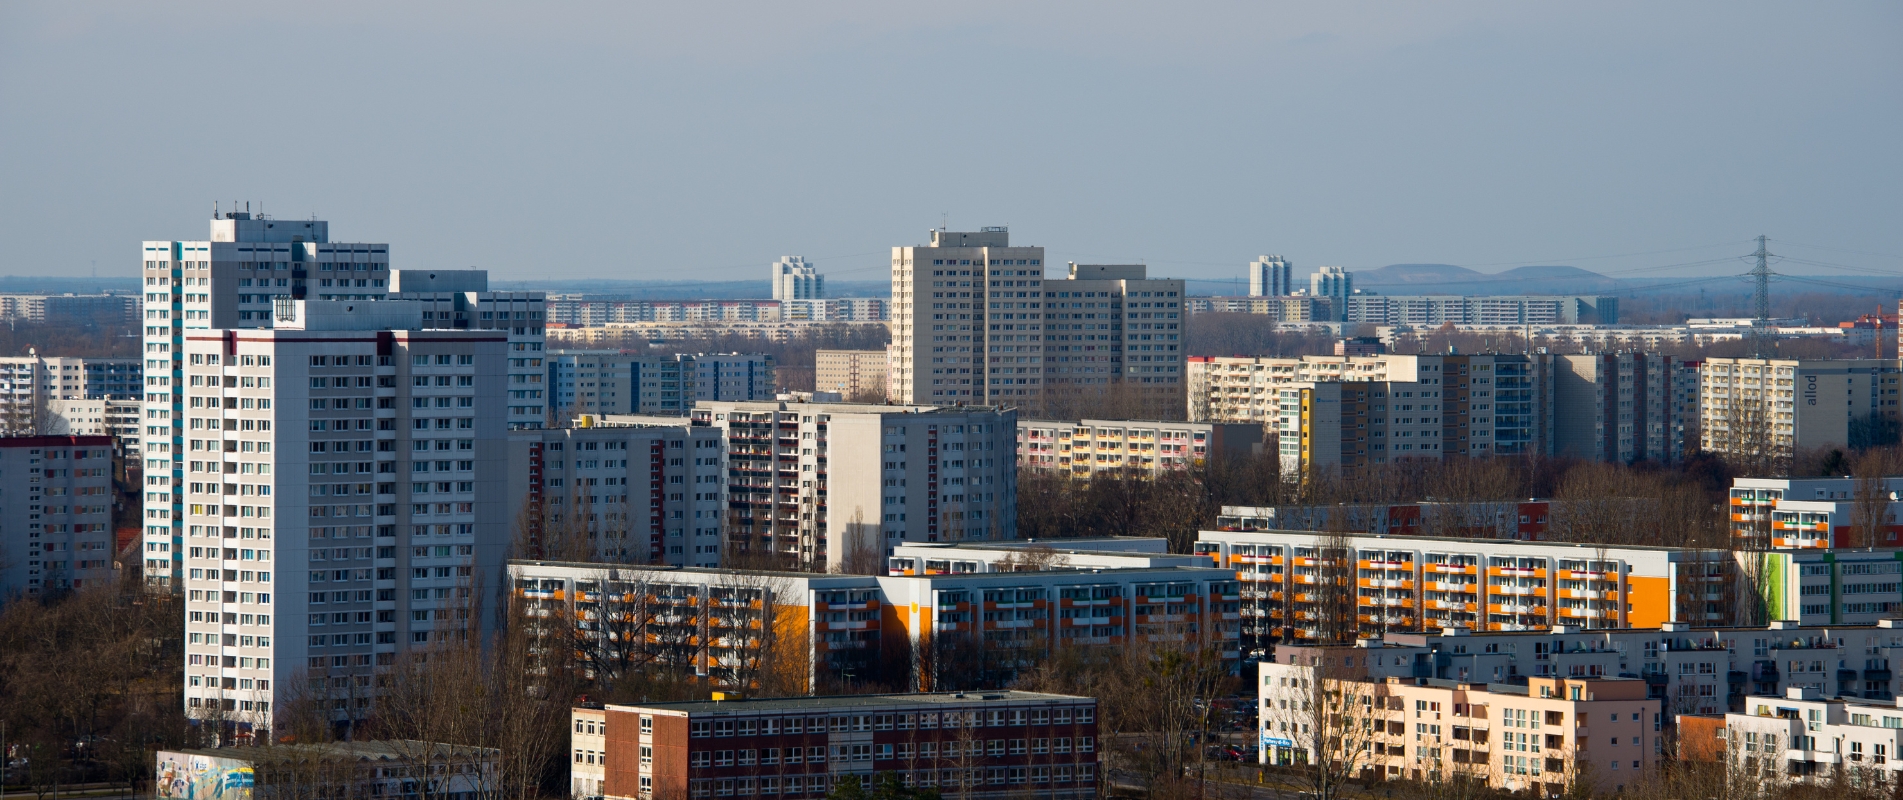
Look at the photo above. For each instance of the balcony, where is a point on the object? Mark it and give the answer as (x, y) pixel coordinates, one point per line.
(1880, 674)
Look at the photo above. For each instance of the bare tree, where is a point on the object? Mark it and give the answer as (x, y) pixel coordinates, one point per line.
(1870, 499)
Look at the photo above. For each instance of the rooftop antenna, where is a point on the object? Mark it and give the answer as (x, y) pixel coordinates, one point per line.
(944, 220)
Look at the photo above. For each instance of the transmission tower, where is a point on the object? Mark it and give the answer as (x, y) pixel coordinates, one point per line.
(1761, 327)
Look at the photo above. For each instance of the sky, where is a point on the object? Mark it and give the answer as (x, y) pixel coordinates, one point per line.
(701, 141)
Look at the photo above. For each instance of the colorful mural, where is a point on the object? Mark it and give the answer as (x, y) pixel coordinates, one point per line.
(198, 777)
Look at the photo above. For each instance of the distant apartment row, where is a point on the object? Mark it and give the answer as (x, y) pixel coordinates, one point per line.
(1344, 412)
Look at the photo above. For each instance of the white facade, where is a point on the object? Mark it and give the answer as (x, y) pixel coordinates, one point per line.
(941, 320)
(1336, 284)
(824, 482)
(228, 281)
(461, 300)
(342, 497)
(1794, 404)
(1269, 277)
(31, 384)
(794, 279)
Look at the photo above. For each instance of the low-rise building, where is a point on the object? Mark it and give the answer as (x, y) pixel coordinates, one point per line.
(616, 382)
(985, 745)
(1693, 670)
(809, 630)
(1804, 737)
(380, 768)
(1526, 520)
(1542, 736)
(1411, 583)
(1029, 555)
(1082, 448)
(1810, 513)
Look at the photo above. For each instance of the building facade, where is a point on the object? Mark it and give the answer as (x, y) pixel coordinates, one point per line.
(631, 494)
(459, 299)
(1812, 513)
(850, 373)
(1623, 407)
(613, 382)
(1779, 406)
(1411, 583)
(1542, 736)
(31, 384)
(929, 629)
(1269, 277)
(826, 482)
(837, 309)
(228, 281)
(992, 744)
(941, 335)
(1336, 284)
(1803, 737)
(1082, 448)
(1280, 309)
(1436, 310)
(72, 309)
(55, 514)
(342, 499)
(794, 279)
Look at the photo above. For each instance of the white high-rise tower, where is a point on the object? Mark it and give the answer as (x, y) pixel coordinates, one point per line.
(794, 279)
(344, 500)
(227, 282)
(1269, 277)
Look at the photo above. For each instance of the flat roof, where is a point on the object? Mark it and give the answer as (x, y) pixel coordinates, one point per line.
(855, 701)
(1471, 540)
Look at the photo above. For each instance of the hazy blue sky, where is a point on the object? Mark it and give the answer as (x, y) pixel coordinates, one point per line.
(703, 140)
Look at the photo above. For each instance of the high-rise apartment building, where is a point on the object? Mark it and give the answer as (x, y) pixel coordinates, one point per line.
(646, 494)
(1336, 284)
(1138, 345)
(613, 382)
(829, 483)
(55, 513)
(1269, 277)
(228, 281)
(946, 298)
(1750, 405)
(1623, 407)
(341, 498)
(459, 299)
(794, 279)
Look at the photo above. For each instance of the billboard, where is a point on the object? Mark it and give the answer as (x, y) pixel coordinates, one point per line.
(193, 776)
